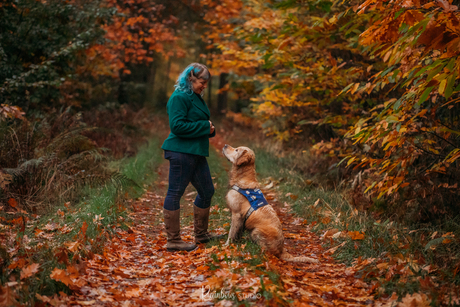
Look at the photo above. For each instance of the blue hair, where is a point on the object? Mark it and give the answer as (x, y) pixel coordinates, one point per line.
(196, 70)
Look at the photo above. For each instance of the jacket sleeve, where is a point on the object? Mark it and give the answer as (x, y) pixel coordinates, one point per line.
(180, 125)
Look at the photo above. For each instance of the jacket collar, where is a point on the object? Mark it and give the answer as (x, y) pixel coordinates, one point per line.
(200, 104)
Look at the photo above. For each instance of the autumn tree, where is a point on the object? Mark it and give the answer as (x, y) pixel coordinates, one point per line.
(381, 75)
(413, 136)
(40, 45)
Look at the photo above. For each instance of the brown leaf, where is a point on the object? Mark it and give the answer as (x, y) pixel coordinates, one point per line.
(73, 246)
(29, 270)
(415, 300)
(20, 263)
(43, 298)
(7, 296)
(51, 226)
(333, 249)
(330, 233)
(61, 275)
(86, 303)
(356, 235)
(12, 202)
(62, 256)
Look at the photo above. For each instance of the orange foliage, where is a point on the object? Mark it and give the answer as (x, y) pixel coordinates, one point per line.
(384, 75)
(415, 132)
(134, 35)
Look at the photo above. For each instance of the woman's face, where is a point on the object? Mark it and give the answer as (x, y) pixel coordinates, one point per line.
(198, 85)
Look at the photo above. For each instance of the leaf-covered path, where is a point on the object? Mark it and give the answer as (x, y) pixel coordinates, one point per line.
(136, 270)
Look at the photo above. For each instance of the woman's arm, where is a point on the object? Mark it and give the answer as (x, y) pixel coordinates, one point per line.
(180, 126)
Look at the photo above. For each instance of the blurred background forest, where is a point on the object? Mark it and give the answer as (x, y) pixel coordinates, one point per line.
(362, 96)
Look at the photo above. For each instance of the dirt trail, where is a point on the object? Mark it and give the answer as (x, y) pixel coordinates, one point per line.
(136, 270)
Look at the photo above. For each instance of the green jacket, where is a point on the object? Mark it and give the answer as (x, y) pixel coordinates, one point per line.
(189, 123)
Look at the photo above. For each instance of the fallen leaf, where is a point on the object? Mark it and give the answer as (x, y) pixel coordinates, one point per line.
(20, 263)
(415, 300)
(43, 298)
(61, 275)
(356, 235)
(338, 234)
(333, 249)
(51, 226)
(330, 233)
(86, 303)
(12, 202)
(29, 270)
(72, 246)
(7, 296)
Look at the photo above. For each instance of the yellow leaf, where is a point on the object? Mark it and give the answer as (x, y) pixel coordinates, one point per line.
(351, 161)
(355, 87)
(442, 86)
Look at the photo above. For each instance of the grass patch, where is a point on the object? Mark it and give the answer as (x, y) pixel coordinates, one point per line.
(72, 231)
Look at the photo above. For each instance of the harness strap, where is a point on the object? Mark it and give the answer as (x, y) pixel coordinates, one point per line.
(249, 212)
(236, 188)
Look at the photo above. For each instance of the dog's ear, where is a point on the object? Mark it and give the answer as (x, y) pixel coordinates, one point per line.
(244, 158)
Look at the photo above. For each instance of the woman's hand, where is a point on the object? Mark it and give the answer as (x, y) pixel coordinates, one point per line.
(212, 128)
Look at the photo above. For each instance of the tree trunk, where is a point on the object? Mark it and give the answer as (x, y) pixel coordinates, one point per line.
(151, 85)
(168, 69)
(121, 93)
(222, 97)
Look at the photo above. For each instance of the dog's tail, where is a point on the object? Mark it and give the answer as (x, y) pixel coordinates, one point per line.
(288, 257)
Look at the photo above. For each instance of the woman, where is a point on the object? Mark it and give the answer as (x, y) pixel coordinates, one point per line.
(186, 148)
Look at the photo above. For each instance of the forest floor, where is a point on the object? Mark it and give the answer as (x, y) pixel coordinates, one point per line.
(108, 249)
(135, 269)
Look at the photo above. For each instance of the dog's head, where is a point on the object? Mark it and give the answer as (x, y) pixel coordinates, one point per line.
(239, 156)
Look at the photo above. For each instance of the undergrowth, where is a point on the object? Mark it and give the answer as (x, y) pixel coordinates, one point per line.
(47, 161)
(71, 231)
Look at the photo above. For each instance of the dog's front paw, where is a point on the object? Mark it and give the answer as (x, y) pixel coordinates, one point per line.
(227, 243)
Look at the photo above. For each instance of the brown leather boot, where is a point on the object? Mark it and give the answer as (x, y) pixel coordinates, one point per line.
(201, 219)
(172, 227)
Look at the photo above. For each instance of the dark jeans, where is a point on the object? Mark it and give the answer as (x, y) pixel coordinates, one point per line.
(183, 169)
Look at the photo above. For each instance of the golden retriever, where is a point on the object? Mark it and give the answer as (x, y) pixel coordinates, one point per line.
(263, 224)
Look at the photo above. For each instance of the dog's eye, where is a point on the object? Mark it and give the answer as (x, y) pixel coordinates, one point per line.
(236, 149)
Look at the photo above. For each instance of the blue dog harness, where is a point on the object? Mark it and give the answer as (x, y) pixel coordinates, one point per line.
(255, 197)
